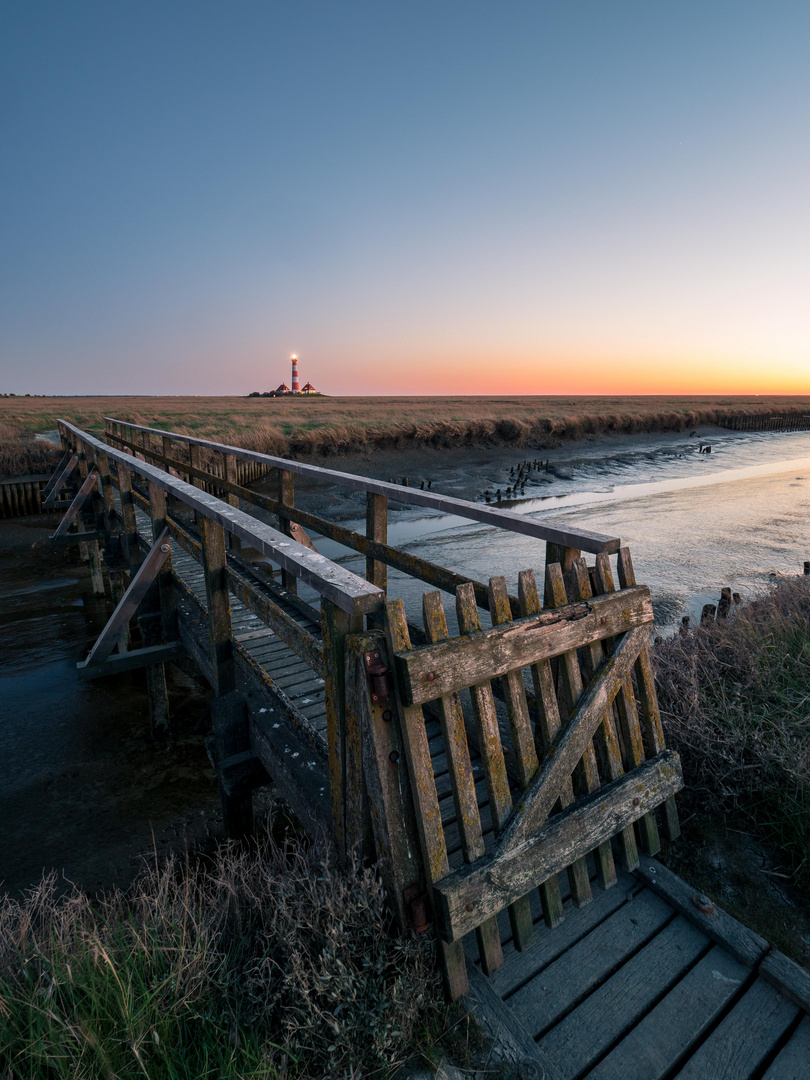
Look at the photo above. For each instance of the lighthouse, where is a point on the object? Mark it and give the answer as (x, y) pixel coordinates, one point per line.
(296, 388)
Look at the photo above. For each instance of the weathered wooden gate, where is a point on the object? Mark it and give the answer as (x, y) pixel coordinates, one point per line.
(532, 747)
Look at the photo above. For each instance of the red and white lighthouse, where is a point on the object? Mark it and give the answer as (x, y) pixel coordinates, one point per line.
(296, 388)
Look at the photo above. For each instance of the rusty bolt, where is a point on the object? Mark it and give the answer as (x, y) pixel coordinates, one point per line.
(393, 757)
(703, 903)
(469, 906)
(388, 716)
(636, 801)
(165, 548)
(603, 621)
(368, 657)
(431, 676)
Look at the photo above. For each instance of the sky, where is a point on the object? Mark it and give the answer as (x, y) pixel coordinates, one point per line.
(443, 197)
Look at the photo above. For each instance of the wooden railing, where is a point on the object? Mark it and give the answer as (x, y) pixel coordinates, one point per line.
(226, 463)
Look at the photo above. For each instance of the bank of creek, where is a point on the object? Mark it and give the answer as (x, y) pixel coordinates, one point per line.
(85, 790)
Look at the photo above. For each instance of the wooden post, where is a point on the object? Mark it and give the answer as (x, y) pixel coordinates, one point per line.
(130, 534)
(89, 550)
(286, 497)
(566, 557)
(158, 618)
(230, 723)
(229, 474)
(387, 784)
(377, 529)
(336, 625)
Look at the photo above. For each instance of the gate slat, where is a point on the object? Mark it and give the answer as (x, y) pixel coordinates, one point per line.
(650, 714)
(465, 800)
(629, 725)
(586, 770)
(491, 751)
(606, 739)
(428, 814)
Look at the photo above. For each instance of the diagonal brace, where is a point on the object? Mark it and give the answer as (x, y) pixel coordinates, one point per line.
(145, 575)
(58, 481)
(571, 743)
(76, 505)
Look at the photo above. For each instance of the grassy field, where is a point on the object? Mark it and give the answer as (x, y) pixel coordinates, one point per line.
(314, 426)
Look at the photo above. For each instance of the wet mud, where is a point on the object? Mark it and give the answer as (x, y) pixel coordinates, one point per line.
(84, 789)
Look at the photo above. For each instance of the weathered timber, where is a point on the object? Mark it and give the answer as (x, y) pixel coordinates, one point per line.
(61, 480)
(606, 740)
(547, 727)
(132, 660)
(588, 963)
(744, 1040)
(748, 947)
(580, 539)
(336, 626)
(510, 1039)
(786, 975)
(375, 550)
(462, 786)
(464, 662)
(396, 840)
(72, 512)
(130, 601)
(572, 741)
(423, 785)
(791, 1062)
(506, 873)
(678, 1022)
(586, 1033)
(650, 714)
(333, 582)
(570, 689)
(632, 743)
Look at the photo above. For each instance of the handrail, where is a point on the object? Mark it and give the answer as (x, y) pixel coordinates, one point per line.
(338, 585)
(508, 520)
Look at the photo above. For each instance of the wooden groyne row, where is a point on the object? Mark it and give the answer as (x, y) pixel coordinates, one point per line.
(766, 421)
(22, 495)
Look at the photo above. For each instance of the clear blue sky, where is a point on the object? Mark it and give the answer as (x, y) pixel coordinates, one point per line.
(580, 195)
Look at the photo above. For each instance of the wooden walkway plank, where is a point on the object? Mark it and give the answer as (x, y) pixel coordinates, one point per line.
(793, 1062)
(748, 947)
(743, 1041)
(677, 1023)
(585, 1034)
(555, 990)
(520, 967)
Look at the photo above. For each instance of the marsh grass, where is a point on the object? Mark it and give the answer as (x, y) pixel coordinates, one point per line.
(735, 701)
(22, 455)
(264, 963)
(309, 426)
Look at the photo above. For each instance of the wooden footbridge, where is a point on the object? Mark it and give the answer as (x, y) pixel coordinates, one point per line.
(502, 759)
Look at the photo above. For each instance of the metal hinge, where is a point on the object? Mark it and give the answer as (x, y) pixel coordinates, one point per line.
(379, 676)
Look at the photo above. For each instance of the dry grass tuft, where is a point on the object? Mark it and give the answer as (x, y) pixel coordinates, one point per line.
(266, 964)
(735, 701)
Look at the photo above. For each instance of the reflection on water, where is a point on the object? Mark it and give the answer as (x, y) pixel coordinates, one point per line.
(694, 522)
